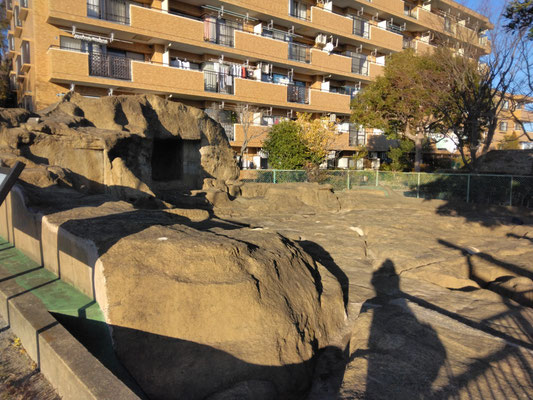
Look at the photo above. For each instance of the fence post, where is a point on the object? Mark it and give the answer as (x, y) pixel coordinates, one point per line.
(274, 176)
(511, 193)
(468, 189)
(377, 178)
(418, 187)
(348, 179)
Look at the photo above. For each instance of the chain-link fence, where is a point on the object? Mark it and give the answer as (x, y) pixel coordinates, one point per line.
(472, 188)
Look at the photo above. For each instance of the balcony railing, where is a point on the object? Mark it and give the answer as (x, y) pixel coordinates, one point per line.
(109, 66)
(297, 94)
(299, 53)
(109, 10)
(218, 82)
(394, 28)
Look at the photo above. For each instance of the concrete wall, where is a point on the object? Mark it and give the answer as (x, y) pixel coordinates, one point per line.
(68, 366)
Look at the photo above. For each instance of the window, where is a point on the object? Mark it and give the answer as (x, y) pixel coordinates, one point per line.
(505, 105)
(526, 145)
(68, 43)
(25, 52)
(517, 126)
(298, 9)
(503, 126)
(360, 27)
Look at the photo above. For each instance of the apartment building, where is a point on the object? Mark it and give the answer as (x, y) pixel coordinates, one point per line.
(276, 57)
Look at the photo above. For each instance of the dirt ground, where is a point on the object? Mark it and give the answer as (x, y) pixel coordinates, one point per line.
(19, 377)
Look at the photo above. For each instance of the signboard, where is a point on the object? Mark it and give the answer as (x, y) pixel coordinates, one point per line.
(8, 177)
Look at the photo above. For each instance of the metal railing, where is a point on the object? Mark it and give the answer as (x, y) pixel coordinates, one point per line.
(503, 190)
(297, 94)
(109, 66)
(394, 28)
(218, 82)
(109, 10)
(298, 52)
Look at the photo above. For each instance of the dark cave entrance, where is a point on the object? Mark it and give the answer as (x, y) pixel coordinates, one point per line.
(167, 162)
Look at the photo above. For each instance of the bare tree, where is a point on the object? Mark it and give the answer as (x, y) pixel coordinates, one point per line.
(246, 115)
(478, 85)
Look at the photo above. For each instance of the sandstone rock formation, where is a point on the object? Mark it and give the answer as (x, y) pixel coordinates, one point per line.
(200, 308)
(128, 146)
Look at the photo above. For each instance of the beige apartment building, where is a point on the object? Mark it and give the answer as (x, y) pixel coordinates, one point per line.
(278, 57)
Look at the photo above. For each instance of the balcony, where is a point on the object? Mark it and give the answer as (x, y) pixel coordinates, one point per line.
(24, 9)
(9, 9)
(297, 94)
(385, 38)
(375, 70)
(299, 53)
(258, 133)
(330, 20)
(218, 82)
(333, 102)
(68, 66)
(323, 60)
(108, 66)
(261, 92)
(250, 43)
(424, 47)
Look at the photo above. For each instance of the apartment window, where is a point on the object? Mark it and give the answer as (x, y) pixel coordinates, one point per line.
(68, 43)
(526, 145)
(25, 52)
(517, 126)
(24, 3)
(27, 103)
(359, 63)
(503, 126)
(505, 105)
(299, 53)
(298, 9)
(297, 93)
(11, 41)
(221, 31)
(447, 24)
(18, 65)
(18, 22)
(110, 10)
(360, 27)
(357, 135)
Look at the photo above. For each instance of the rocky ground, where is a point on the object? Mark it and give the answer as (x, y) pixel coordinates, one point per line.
(428, 290)
(19, 377)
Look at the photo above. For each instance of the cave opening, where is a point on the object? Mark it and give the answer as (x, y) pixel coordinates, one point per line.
(167, 163)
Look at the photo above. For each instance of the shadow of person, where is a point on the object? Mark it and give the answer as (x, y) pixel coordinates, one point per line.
(403, 354)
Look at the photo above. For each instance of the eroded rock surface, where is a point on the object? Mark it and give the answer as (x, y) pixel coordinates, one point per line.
(128, 146)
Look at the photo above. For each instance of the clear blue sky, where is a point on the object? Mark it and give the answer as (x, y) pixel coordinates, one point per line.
(492, 8)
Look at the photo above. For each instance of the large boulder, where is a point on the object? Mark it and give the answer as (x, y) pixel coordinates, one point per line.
(128, 146)
(200, 308)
